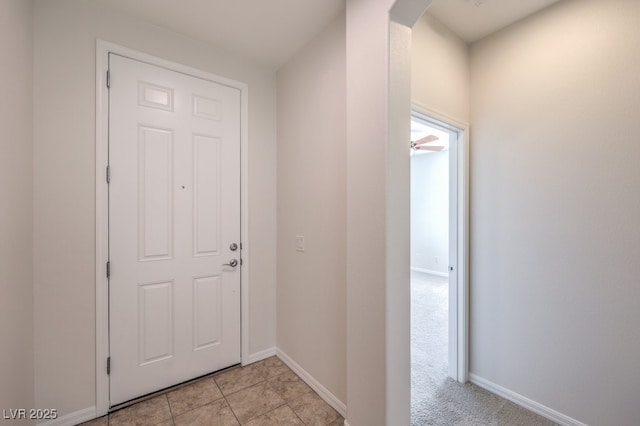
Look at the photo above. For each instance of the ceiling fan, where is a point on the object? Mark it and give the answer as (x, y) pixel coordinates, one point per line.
(423, 144)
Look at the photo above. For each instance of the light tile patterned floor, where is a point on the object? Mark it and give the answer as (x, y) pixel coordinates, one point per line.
(266, 393)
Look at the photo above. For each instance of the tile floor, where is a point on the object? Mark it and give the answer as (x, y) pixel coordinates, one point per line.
(266, 393)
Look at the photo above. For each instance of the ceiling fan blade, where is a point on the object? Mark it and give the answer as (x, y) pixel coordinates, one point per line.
(430, 148)
(426, 139)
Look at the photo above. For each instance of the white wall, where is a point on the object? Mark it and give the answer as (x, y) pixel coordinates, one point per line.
(378, 113)
(64, 126)
(440, 84)
(16, 205)
(439, 69)
(430, 211)
(367, 126)
(555, 184)
(311, 295)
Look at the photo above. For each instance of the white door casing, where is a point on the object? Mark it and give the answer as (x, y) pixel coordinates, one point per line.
(454, 328)
(458, 238)
(174, 211)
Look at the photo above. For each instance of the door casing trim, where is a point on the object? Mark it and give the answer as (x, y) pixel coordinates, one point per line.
(103, 48)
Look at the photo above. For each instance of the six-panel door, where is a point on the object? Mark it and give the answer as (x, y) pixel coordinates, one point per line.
(174, 211)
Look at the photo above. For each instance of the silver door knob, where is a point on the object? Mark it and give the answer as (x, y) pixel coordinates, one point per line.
(233, 263)
(233, 247)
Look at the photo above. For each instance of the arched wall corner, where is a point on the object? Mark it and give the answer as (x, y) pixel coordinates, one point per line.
(407, 12)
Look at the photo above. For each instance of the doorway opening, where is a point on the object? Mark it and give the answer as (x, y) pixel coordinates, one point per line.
(438, 260)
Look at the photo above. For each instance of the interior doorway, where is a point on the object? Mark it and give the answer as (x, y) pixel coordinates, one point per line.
(438, 258)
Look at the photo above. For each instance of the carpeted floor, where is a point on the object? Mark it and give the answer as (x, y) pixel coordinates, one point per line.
(436, 399)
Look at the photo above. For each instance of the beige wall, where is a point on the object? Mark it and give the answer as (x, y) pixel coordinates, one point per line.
(65, 34)
(439, 69)
(367, 127)
(16, 205)
(398, 212)
(555, 184)
(378, 101)
(311, 296)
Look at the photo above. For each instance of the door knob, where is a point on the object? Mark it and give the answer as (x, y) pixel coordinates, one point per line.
(233, 263)
(233, 247)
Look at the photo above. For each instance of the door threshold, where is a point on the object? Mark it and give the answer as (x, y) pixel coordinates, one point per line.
(166, 390)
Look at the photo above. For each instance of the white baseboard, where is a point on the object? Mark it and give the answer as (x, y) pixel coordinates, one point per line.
(72, 419)
(327, 396)
(429, 271)
(346, 423)
(525, 402)
(259, 356)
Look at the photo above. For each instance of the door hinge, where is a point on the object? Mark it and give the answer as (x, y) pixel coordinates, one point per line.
(108, 365)
(108, 79)
(108, 174)
(108, 269)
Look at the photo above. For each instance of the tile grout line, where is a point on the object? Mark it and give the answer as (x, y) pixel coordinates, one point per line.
(209, 377)
(296, 414)
(266, 377)
(231, 408)
(170, 410)
(213, 377)
(240, 390)
(264, 414)
(227, 402)
(282, 396)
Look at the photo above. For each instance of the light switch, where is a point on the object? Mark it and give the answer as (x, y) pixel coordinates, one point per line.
(299, 243)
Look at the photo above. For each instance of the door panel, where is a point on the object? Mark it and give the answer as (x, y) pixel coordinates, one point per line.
(155, 322)
(174, 210)
(155, 193)
(206, 321)
(206, 197)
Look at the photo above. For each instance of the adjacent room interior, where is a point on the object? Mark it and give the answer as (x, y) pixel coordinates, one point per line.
(429, 263)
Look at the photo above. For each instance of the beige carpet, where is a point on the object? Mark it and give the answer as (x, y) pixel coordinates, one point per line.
(436, 399)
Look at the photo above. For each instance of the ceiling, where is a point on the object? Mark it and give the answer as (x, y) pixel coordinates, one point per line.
(269, 32)
(472, 20)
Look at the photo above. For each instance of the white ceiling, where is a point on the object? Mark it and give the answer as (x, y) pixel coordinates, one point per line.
(267, 31)
(471, 22)
(272, 31)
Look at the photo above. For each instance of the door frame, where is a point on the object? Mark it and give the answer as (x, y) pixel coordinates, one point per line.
(458, 236)
(103, 49)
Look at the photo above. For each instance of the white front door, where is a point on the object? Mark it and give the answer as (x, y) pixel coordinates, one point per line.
(174, 220)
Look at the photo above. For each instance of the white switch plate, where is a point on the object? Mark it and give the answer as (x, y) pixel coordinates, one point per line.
(299, 243)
